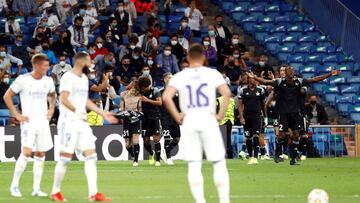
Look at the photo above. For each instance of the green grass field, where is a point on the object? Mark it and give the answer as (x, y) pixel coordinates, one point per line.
(266, 182)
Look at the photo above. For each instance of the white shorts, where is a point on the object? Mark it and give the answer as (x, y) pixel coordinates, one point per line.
(75, 135)
(202, 135)
(36, 135)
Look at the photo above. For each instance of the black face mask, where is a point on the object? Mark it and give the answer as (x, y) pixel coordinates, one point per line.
(232, 63)
(313, 103)
(220, 23)
(78, 27)
(85, 70)
(126, 65)
(45, 48)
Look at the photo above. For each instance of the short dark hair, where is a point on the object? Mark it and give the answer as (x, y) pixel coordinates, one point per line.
(91, 45)
(78, 18)
(196, 51)
(144, 82)
(133, 39)
(81, 55)
(39, 58)
(218, 16)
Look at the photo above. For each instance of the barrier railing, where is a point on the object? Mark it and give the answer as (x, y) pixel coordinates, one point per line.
(335, 19)
(324, 140)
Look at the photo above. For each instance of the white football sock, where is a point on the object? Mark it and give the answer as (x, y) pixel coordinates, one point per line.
(38, 171)
(196, 181)
(91, 173)
(60, 171)
(221, 179)
(19, 170)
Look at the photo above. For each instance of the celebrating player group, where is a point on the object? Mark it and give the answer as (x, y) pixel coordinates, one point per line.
(187, 99)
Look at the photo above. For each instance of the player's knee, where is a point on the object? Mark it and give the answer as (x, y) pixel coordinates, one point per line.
(64, 160)
(135, 139)
(295, 135)
(176, 140)
(39, 154)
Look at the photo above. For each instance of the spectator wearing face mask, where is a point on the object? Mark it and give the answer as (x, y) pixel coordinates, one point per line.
(89, 22)
(91, 47)
(146, 73)
(53, 21)
(222, 30)
(90, 9)
(19, 51)
(43, 27)
(185, 28)
(12, 27)
(176, 48)
(79, 33)
(136, 61)
(148, 43)
(36, 42)
(113, 32)
(210, 52)
(100, 49)
(97, 86)
(123, 19)
(167, 62)
(63, 45)
(101, 61)
(316, 112)
(125, 50)
(60, 69)
(50, 54)
(101, 6)
(6, 60)
(154, 70)
(125, 73)
(182, 40)
(218, 43)
(4, 86)
(233, 72)
(238, 61)
(195, 18)
(262, 66)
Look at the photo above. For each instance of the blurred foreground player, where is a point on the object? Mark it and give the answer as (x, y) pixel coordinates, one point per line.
(34, 88)
(75, 133)
(197, 87)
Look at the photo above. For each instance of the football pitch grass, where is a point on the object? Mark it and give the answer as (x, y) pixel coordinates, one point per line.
(266, 182)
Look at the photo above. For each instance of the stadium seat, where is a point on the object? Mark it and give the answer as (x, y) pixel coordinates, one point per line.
(164, 39)
(354, 80)
(355, 117)
(282, 52)
(356, 99)
(354, 108)
(289, 40)
(349, 89)
(4, 116)
(307, 69)
(302, 49)
(337, 80)
(330, 94)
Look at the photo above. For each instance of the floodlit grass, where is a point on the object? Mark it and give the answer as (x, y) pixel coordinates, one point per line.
(266, 182)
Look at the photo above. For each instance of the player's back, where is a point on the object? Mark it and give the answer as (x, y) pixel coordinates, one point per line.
(197, 90)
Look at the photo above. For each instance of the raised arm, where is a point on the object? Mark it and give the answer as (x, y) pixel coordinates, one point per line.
(323, 77)
(261, 80)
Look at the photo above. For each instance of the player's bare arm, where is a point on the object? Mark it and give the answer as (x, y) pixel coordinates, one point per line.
(323, 77)
(157, 102)
(241, 111)
(169, 104)
(52, 102)
(226, 93)
(260, 80)
(8, 99)
(106, 115)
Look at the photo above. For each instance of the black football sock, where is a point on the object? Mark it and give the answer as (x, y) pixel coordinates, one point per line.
(148, 148)
(294, 149)
(243, 148)
(286, 144)
(167, 146)
(171, 146)
(262, 150)
(256, 146)
(157, 151)
(130, 150)
(249, 146)
(278, 147)
(303, 145)
(136, 149)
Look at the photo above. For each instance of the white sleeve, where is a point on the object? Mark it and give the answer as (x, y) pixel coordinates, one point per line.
(175, 82)
(218, 79)
(16, 60)
(66, 83)
(154, 41)
(92, 20)
(187, 12)
(7, 27)
(18, 85)
(130, 21)
(200, 14)
(51, 85)
(107, 3)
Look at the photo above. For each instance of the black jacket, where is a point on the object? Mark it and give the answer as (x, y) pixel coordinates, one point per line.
(322, 115)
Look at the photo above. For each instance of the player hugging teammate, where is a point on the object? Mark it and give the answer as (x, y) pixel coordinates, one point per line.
(131, 115)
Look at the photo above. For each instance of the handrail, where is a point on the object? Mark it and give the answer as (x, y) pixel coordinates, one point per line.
(348, 10)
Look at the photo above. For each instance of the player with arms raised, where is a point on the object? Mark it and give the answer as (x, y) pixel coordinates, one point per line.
(197, 87)
(34, 88)
(75, 133)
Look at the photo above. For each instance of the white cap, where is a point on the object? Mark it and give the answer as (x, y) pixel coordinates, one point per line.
(46, 5)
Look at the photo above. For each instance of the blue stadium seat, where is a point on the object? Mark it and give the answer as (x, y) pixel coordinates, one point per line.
(282, 19)
(324, 69)
(4, 116)
(32, 20)
(256, 9)
(282, 52)
(355, 117)
(343, 108)
(319, 49)
(302, 49)
(295, 28)
(307, 69)
(356, 99)
(164, 39)
(354, 80)
(260, 31)
(289, 40)
(349, 89)
(278, 29)
(313, 59)
(297, 18)
(334, 49)
(285, 7)
(238, 15)
(338, 80)
(265, 19)
(272, 41)
(330, 94)
(354, 109)
(318, 87)
(295, 59)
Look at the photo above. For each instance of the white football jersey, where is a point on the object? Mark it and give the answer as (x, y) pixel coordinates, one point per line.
(197, 89)
(78, 88)
(33, 94)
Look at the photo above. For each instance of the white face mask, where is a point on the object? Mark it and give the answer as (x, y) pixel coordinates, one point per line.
(235, 41)
(184, 24)
(121, 9)
(146, 72)
(167, 52)
(99, 45)
(206, 43)
(2, 54)
(6, 80)
(150, 62)
(261, 63)
(132, 47)
(92, 76)
(236, 56)
(174, 42)
(62, 63)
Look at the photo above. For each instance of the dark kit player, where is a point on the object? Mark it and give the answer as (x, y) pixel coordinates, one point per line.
(251, 106)
(289, 102)
(151, 103)
(170, 129)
